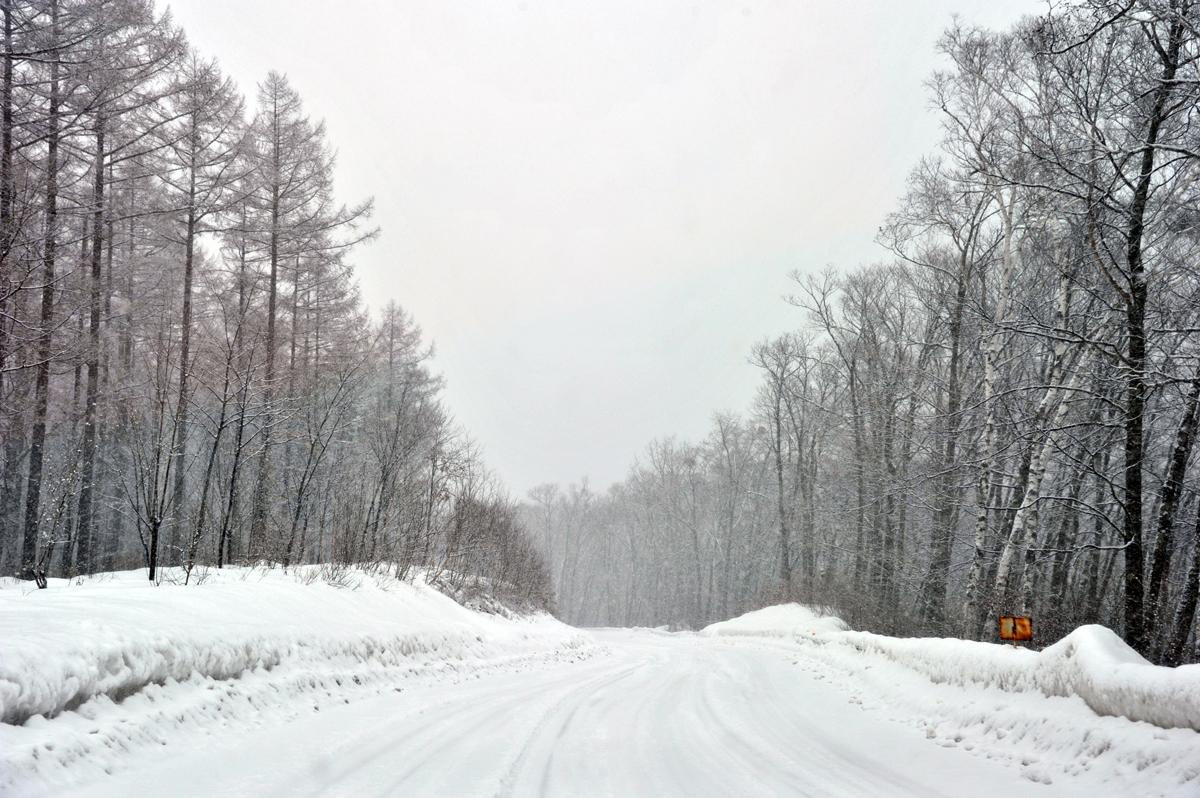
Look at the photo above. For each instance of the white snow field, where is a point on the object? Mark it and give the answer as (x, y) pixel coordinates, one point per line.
(270, 684)
(101, 671)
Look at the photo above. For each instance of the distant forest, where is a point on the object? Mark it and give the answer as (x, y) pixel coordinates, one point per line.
(997, 418)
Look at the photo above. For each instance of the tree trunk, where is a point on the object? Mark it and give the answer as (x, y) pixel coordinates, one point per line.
(1169, 495)
(1185, 615)
(941, 546)
(785, 552)
(86, 522)
(33, 487)
(9, 486)
(258, 513)
(179, 449)
(1135, 315)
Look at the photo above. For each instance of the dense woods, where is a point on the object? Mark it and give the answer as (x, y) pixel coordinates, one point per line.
(1000, 416)
(187, 372)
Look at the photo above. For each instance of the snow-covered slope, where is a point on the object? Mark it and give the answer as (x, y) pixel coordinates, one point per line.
(781, 620)
(253, 683)
(1087, 708)
(1091, 663)
(99, 665)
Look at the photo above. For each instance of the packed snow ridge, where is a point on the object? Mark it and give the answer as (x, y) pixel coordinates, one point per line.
(117, 659)
(1087, 710)
(114, 635)
(1091, 662)
(96, 670)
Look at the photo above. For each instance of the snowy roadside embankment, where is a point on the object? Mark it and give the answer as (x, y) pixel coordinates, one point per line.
(1091, 663)
(101, 664)
(1086, 710)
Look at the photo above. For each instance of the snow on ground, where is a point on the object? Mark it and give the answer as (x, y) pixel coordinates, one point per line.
(659, 716)
(269, 683)
(94, 669)
(780, 620)
(1087, 708)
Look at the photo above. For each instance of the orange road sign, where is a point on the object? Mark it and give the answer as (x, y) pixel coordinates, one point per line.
(1016, 627)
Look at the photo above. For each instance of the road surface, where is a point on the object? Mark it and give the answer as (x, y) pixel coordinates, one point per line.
(659, 715)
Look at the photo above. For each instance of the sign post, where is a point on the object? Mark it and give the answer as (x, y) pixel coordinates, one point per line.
(1015, 628)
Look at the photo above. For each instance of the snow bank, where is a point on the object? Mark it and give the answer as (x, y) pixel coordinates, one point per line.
(1087, 712)
(1091, 663)
(113, 636)
(91, 671)
(781, 620)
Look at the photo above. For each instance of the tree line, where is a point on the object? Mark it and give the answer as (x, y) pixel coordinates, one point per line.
(999, 417)
(188, 374)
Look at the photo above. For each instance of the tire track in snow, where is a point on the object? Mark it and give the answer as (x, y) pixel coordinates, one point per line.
(660, 715)
(448, 735)
(393, 733)
(512, 776)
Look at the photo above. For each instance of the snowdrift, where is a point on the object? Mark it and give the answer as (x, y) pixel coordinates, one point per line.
(1091, 663)
(112, 636)
(781, 620)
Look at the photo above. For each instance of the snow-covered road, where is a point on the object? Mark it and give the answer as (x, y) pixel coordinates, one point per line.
(660, 715)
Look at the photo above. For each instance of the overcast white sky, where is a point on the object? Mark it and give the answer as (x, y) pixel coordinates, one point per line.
(592, 207)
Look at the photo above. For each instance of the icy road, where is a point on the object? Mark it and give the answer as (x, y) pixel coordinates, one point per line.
(659, 715)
